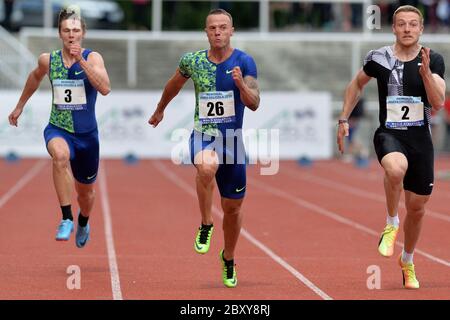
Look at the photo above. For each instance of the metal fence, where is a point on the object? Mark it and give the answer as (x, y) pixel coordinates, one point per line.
(15, 61)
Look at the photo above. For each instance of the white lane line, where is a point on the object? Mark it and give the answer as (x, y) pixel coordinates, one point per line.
(314, 208)
(113, 268)
(23, 181)
(186, 187)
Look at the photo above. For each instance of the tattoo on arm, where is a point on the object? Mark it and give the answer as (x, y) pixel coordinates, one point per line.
(253, 93)
(252, 83)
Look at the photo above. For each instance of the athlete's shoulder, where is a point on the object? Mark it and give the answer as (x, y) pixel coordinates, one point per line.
(44, 61)
(246, 63)
(383, 52)
(44, 56)
(244, 59)
(383, 56)
(242, 54)
(189, 60)
(193, 54)
(437, 64)
(435, 55)
(86, 52)
(92, 56)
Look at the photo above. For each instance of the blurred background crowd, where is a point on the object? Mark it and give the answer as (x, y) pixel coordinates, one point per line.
(188, 15)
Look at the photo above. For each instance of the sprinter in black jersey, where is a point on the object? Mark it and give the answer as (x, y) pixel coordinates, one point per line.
(411, 82)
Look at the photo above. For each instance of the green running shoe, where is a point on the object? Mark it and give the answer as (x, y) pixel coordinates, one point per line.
(409, 274)
(203, 238)
(387, 240)
(229, 275)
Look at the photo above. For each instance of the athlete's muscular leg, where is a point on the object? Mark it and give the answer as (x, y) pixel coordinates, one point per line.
(86, 197)
(232, 222)
(395, 165)
(207, 163)
(415, 211)
(62, 178)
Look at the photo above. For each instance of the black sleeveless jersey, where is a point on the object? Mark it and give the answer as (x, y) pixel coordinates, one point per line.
(401, 81)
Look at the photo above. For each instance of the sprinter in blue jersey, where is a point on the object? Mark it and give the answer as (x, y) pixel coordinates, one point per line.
(225, 83)
(71, 137)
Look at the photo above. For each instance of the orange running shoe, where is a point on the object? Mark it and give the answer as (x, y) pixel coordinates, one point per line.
(409, 275)
(387, 240)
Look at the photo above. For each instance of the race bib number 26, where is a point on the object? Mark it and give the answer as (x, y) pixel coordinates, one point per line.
(404, 111)
(69, 94)
(216, 107)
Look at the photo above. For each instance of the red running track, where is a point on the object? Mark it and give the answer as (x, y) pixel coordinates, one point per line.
(308, 233)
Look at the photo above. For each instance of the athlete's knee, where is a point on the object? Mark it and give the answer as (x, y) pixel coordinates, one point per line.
(416, 213)
(232, 212)
(60, 159)
(232, 208)
(87, 195)
(416, 208)
(206, 172)
(395, 174)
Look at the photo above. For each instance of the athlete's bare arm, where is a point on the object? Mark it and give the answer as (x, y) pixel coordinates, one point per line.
(172, 88)
(351, 97)
(94, 68)
(248, 87)
(32, 84)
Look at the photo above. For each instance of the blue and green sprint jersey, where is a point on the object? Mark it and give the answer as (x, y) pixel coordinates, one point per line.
(73, 104)
(218, 104)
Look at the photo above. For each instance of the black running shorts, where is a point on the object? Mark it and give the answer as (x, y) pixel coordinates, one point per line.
(418, 150)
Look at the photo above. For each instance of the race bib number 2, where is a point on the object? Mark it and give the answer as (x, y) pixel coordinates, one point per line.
(216, 107)
(404, 111)
(69, 94)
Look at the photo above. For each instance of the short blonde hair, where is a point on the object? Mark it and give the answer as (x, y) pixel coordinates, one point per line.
(407, 8)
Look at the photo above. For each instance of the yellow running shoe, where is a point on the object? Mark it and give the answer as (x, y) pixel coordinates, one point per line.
(229, 275)
(387, 240)
(409, 275)
(203, 238)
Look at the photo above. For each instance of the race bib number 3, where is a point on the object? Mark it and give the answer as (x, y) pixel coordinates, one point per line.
(404, 111)
(69, 94)
(216, 107)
